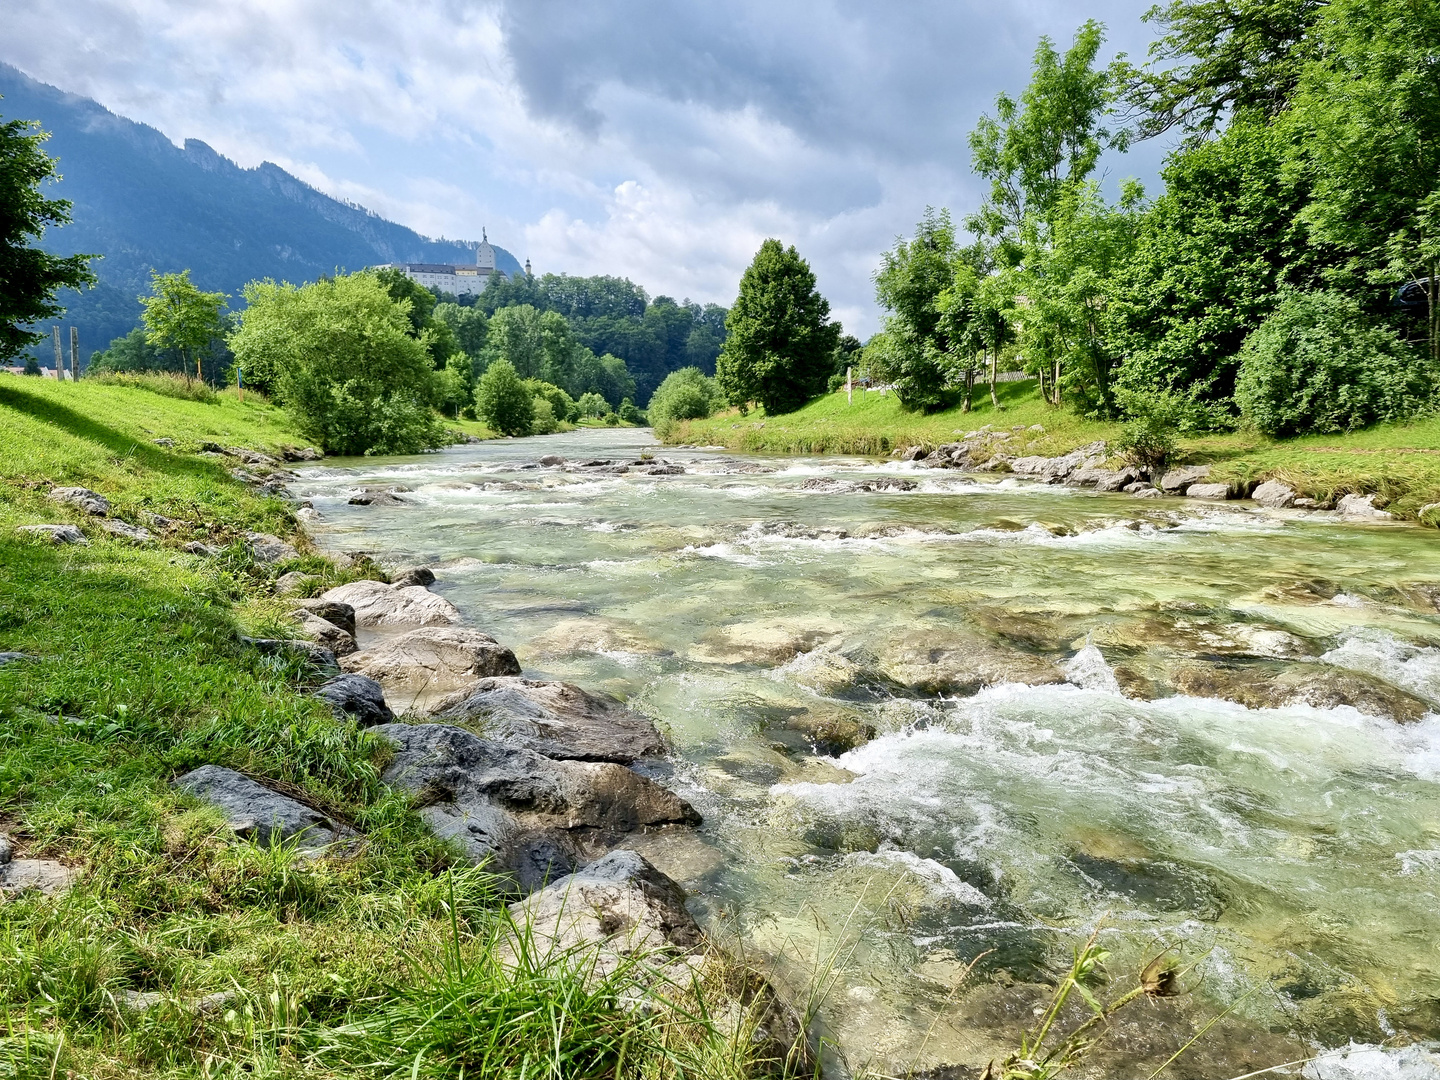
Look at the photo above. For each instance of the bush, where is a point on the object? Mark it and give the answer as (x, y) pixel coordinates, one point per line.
(542, 418)
(687, 394)
(612, 419)
(1317, 364)
(340, 358)
(502, 400)
(629, 413)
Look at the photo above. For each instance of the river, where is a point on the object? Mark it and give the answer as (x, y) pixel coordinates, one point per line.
(766, 610)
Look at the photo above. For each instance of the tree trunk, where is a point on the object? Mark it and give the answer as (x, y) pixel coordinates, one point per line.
(1432, 297)
(1055, 383)
(994, 361)
(1040, 374)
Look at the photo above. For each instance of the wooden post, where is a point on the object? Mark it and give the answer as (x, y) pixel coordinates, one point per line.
(240, 382)
(849, 386)
(59, 357)
(74, 354)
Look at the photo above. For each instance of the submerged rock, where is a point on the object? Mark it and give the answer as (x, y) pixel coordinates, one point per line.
(766, 641)
(432, 661)
(534, 816)
(359, 696)
(935, 662)
(1320, 686)
(82, 498)
(256, 813)
(573, 637)
(557, 719)
(379, 605)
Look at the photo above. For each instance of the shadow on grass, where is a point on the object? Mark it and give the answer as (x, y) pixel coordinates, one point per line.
(83, 427)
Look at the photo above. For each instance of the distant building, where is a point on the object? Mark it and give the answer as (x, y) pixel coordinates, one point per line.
(457, 280)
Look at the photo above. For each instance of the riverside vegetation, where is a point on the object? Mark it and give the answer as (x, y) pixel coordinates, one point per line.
(177, 950)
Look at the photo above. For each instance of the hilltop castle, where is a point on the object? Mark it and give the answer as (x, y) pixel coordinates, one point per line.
(456, 280)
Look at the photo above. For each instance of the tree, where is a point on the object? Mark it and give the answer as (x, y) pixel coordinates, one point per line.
(503, 401)
(781, 340)
(178, 315)
(592, 405)
(341, 356)
(30, 277)
(1368, 123)
(468, 324)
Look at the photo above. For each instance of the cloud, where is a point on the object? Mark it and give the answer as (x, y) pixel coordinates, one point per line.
(657, 139)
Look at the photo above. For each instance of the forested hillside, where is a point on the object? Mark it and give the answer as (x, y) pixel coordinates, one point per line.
(143, 203)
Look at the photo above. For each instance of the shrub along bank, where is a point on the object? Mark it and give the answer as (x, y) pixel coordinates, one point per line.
(179, 951)
(1398, 462)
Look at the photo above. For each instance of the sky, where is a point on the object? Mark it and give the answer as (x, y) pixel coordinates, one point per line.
(660, 141)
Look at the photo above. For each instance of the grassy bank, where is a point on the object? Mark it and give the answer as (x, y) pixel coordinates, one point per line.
(1399, 462)
(380, 963)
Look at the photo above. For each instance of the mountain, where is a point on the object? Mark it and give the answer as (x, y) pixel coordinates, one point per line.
(142, 202)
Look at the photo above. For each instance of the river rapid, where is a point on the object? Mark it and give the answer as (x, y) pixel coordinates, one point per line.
(771, 613)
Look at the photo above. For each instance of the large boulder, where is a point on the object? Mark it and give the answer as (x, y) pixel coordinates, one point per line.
(1102, 479)
(342, 615)
(357, 696)
(557, 719)
(431, 662)
(83, 499)
(256, 813)
(293, 649)
(1218, 492)
(379, 605)
(529, 814)
(936, 662)
(338, 641)
(1274, 494)
(1362, 508)
(1177, 481)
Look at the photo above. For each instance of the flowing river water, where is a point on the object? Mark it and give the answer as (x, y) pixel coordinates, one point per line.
(768, 613)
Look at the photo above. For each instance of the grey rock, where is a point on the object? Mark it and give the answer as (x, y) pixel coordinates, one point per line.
(557, 719)
(1104, 479)
(133, 533)
(44, 876)
(358, 696)
(1207, 491)
(1148, 493)
(527, 812)
(6, 849)
(159, 521)
(664, 470)
(56, 534)
(1059, 468)
(294, 582)
(1274, 494)
(934, 661)
(324, 632)
(13, 657)
(342, 615)
(1175, 481)
(1362, 507)
(268, 548)
(412, 575)
(256, 813)
(377, 498)
(421, 666)
(1311, 504)
(308, 651)
(84, 498)
(166, 443)
(251, 457)
(913, 453)
(195, 547)
(551, 460)
(301, 453)
(379, 605)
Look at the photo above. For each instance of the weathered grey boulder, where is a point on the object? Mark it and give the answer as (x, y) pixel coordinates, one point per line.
(256, 813)
(1102, 479)
(1362, 507)
(1218, 492)
(1145, 491)
(324, 632)
(296, 581)
(56, 534)
(342, 615)
(251, 457)
(933, 661)
(1274, 494)
(1176, 481)
(557, 719)
(293, 648)
(422, 666)
(379, 605)
(358, 696)
(1056, 469)
(412, 575)
(302, 453)
(45, 876)
(620, 906)
(268, 548)
(83, 498)
(195, 547)
(551, 460)
(532, 815)
(133, 533)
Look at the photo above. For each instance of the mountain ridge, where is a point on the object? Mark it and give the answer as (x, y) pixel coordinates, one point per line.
(142, 202)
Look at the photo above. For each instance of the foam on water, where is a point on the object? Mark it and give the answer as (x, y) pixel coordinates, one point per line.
(1382, 654)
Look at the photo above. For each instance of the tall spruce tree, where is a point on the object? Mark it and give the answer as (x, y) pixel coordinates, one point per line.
(781, 341)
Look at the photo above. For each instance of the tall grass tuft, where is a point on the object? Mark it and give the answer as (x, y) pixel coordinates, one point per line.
(164, 383)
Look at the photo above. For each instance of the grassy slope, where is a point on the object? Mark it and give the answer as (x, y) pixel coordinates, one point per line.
(1399, 461)
(140, 675)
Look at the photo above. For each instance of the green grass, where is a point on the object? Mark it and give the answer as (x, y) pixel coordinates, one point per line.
(381, 963)
(1400, 462)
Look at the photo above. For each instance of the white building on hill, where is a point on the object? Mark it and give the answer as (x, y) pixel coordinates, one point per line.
(457, 280)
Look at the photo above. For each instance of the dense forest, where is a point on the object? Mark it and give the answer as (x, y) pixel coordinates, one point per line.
(1287, 276)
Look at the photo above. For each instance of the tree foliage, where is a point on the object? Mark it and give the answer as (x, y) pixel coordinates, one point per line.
(687, 394)
(179, 316)
(781, 341)
(503, 400)
(30, 276)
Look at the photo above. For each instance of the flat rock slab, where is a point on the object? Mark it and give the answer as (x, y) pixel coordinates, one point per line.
(358, 696)
(134, 533)
(256, 813)
(83, 498)
(379, 605)
(557, 719)
(531, 815)
(44, 876)
(940, 663)
(56, 534)
(427, 665)
(267, 548)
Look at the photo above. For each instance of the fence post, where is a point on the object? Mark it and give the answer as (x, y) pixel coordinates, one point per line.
(849, 386)
(74, 354)
(59, 356)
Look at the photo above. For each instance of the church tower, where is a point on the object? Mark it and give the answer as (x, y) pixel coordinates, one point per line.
(485, 254)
